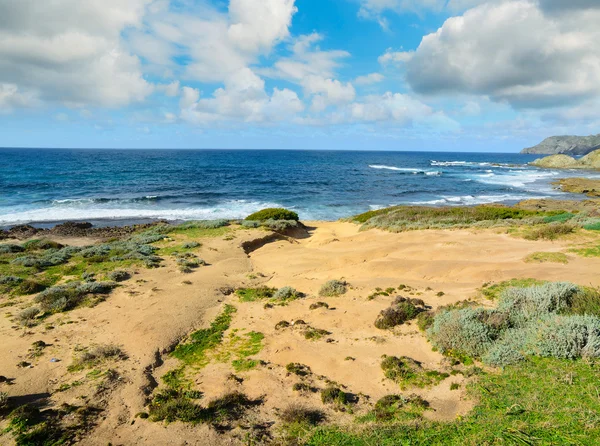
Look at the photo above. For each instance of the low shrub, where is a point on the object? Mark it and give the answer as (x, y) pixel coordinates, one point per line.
(88, 358)
(546, 257)
(317, 305)
(119, 276)
(298, 369)
(402, 311)
(297, 414)
(399, 407)
(286, 293)
(313, 334)
(191, 245)
(10, 280)
(28, 315)
(273, 214)
(334, 395)
(43, 244)
(66, 297)
(585, 302)
(425, 320)
(203, 224)
(550, 231)
(279, 225)
(407, 372)
(9, 248)
(333, 288)
(174, 405)
(30, 286)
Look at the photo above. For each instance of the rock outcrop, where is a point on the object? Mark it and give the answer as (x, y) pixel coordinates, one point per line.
(579, 186)
(568, 145)
(590, 161)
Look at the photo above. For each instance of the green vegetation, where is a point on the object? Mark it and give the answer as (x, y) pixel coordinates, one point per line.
(172, 405)
(409, 373)
(298, 369)
(273, 214)
(551, 320)
(593, 251)
(493, 291)
(402, 218)
(193, 352)
(549, 232)
(546, 257)
(295, 414)
(396, 408)
(3, 400)
(243, 365)
(92, 357)
(314, 334)
(592, 226)
(255, 294)
(334, 395)
(542, 401)
(333, 288)
(402, 310)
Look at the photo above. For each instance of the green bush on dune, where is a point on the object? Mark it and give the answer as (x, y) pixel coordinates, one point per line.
(273, 214)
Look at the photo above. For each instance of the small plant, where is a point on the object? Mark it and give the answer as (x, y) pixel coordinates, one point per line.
(334, 395)
(318, 305)
(403, 310)
(425, 320)
(303, 387)
(399, 407)
(254, 294)
(89, 358)
(28, 315)
(454, 386)
(119, 276)
(298, 414)
(29, 286)
(281, 325)
(313, 334)
(286, 293)
(408, 372)
(550, 231)
(273, 214)
(333, 288)
(191, 245)
(296, 368)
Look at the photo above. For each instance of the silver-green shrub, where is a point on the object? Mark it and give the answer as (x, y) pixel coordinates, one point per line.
(463, 331)
(286, 293)
(333, 288)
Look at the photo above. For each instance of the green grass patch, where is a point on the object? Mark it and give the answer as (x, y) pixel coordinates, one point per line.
(561, 218)
(409, 373)
(546, 257)
(493, 291)
(194, 351)
(255, 294)
(194, 232)
(539, 402)
(592, 251)
(244, 365)
(592, 226)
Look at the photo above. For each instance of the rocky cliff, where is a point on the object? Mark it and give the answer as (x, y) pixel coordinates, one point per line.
(569, 145)
(590, 161)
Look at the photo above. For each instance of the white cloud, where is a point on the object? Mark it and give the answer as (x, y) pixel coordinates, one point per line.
(391, 56)
(512, 52)
(70, 52)
(369, 79)
(12, 97)
(332, 91)
(243, 98)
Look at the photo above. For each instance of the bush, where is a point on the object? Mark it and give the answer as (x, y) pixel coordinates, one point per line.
(65, 297)
(10, 248)
(585, 302)
(250, 224)
(298, 414)
(317, 305)
(334, 395)
(96, 355)
(204, 224)
(43, 244)
(298, 369)
(27, 316)
(550, 231)
(273, 214)
(463, 331)
(392, 407)
(404, 310)
(10, 280)
(191, 245)
(279, 225)
(119, 276)
(286, 293)
(30, 286)
(254, 294)
(425, 320)
(565, 337)
(408, 372)
(333, 288)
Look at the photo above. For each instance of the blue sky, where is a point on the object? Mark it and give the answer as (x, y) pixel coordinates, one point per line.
(456, 75)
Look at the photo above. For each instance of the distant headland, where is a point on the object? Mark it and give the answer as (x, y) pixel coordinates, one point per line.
(567, 145)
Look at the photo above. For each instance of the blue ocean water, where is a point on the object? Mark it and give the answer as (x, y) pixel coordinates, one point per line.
(48, 185)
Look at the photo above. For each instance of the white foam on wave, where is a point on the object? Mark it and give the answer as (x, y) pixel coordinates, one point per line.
(469, 200)
(406, 169)
(229, 209)
(515, 178)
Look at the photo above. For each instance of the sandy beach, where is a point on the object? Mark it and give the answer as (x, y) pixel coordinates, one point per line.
(151, 313)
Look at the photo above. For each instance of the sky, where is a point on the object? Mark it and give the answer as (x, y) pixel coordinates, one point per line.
(439, 75)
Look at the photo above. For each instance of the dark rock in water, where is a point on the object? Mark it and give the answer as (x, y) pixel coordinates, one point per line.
(568, 145)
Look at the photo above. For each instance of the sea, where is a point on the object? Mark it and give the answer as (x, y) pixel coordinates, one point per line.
(113, 187)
